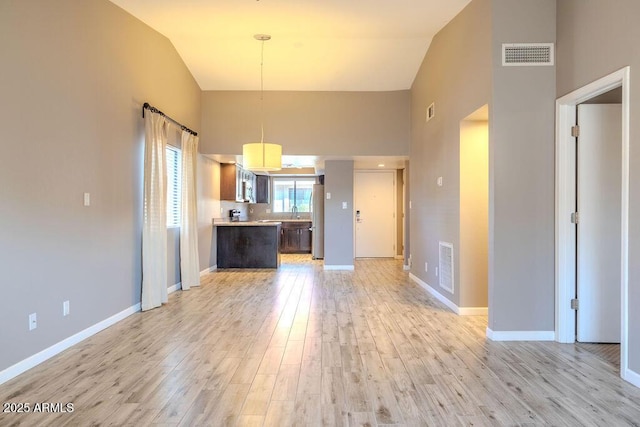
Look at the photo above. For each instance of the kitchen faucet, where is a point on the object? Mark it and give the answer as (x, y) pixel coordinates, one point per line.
(294, 212)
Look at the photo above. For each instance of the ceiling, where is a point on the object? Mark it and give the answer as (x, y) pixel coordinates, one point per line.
(322, 45)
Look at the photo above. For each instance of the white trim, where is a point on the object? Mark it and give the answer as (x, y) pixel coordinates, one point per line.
(339, 267)
(208, 270)
(521, 335)
(406, 267)
(32, 361)
(435, 293)
(473, 311)
(460, 311)
(176, 287)
(631, 376)
(565, 233)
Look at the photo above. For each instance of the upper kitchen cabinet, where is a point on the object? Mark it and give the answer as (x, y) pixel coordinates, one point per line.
(263, 185)
(236, 183)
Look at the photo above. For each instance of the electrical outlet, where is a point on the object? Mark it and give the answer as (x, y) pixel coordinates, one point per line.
(33, 321)
(65, 308)
(426, 267)
(268, 210)
(87, 199)
(344, 205)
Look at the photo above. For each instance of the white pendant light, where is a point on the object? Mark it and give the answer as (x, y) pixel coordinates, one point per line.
(262, 156)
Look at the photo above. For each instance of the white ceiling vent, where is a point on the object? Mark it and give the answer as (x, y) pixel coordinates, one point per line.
(445, 266)
(527, 54)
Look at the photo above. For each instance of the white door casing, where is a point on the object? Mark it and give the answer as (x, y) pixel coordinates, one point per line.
(375, 206)
(599, 158)
(565, 204)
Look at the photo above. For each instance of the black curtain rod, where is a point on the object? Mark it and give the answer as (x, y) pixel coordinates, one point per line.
(146, 106)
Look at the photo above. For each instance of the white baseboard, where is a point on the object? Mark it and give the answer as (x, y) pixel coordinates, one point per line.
(208, 270)
(460, 311)
(435, 293)
(172, 289)
(521, 335)
(473, 311)
(32, 361)
(632, 377)
(339, 267)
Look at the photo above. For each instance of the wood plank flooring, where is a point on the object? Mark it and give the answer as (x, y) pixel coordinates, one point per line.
(301, 346)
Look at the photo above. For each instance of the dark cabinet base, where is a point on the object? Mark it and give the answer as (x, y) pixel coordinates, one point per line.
(295, 238)
(248, 246)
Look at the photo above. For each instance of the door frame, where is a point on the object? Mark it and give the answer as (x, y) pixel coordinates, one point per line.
(395, 204)
(565, 250)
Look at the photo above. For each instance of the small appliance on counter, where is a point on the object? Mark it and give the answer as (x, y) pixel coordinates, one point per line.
(234, 215)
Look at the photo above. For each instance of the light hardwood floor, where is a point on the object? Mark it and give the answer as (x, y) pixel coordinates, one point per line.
(307, 347)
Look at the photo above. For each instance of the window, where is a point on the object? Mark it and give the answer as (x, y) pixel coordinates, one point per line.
(174, 186)
(290, 192)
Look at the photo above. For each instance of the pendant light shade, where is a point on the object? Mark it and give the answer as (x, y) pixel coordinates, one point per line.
(262, 156)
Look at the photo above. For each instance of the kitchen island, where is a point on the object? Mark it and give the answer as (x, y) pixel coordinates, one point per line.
(248, 244)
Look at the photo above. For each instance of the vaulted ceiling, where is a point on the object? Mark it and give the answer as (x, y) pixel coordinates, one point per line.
(321, 45)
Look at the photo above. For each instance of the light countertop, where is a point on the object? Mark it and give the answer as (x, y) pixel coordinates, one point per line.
(246, 223)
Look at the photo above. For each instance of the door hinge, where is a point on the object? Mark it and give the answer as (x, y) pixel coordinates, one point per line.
(574, 304)
(575, 217)
(575, 131)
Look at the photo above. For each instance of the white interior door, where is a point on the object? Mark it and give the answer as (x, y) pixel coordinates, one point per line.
(599, 178)
(375, 214)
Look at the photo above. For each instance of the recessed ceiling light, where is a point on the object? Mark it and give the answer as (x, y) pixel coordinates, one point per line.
(380, 165)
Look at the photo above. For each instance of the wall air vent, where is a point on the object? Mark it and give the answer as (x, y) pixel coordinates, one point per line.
(527, 54)
(445, 266)
(431, 111)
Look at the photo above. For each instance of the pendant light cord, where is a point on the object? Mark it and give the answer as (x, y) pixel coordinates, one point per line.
(262, 94)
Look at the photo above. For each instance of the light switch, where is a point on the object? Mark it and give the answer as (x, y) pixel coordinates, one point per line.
(87, 199)
(328, 195)
(344, 205)
(439, 181)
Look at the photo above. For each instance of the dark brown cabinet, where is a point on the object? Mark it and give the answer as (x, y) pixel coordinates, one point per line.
(248, 246)
(295, 237)
(236, 183)
(262, 189)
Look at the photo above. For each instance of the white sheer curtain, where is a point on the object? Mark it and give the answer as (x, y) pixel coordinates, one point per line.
(154, 228)
(189, 262)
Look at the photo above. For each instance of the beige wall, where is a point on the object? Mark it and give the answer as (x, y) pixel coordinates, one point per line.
(73, 80)
(474, 213)
(596, 38)
(308, 123)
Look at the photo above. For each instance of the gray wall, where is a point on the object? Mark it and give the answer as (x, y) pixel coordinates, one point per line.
(456, 75)
(522, 167)
(461, 72)
(73, 80)
(308, 123)
(596, 38)
(338, 222)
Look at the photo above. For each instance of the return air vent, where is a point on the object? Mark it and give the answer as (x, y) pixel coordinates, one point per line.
(445, 266)
(527, 54)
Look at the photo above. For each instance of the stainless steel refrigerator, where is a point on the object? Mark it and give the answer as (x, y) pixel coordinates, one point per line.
(317, 226)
